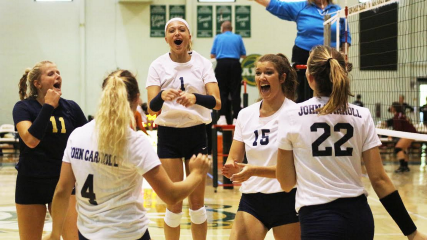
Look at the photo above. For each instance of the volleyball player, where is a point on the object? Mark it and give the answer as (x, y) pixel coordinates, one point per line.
(44, 122)
(106, 159)
(263, 205)
(182, 84)
(400, 122)
(321, 143)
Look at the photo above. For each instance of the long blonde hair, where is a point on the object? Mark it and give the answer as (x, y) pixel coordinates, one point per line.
(114, 115)
(328, 68)
(30, 75)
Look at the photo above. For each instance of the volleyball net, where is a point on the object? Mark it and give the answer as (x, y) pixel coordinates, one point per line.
(389, 56)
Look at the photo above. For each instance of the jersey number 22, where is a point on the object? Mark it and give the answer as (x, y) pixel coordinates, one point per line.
(327, 133)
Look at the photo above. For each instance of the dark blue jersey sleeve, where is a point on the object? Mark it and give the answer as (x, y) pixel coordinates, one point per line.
(21, 113)
(79, 116)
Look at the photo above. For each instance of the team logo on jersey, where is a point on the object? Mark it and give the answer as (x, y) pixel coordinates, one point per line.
(248, 67)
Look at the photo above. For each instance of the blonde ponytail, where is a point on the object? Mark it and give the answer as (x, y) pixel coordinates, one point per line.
(114, 116)
(328, 68)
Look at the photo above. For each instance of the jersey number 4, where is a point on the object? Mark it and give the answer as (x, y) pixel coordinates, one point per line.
(327, 133)
(87, 190)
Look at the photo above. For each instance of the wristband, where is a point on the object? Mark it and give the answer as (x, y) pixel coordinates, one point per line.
(394, 206)
(206, 101)
(38, 127)
(157, 102)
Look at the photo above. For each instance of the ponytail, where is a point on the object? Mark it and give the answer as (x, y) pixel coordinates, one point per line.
(340, 89)
(23, 85)
(328, 68)
(114, 116)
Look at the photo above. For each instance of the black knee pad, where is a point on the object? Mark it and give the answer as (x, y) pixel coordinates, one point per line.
(396, 150)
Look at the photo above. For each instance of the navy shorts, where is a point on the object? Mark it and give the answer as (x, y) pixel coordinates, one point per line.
(342, 219)
(181, 142)
(32, 190)
(146, 236)
(272, 210)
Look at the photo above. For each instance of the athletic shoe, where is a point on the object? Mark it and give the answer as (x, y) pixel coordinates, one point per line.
(402, 169)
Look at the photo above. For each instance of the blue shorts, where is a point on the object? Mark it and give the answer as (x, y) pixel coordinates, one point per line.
(146, 236)
(272, 210)
(342, 219)
(32, 190)
(181, 142)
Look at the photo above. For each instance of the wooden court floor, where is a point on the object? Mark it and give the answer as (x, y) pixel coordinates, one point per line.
(223, 204)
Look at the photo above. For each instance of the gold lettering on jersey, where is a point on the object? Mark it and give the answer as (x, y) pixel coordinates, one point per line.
(312, 109)
(93, 156)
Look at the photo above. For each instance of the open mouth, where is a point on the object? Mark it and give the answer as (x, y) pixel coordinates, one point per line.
(265, 88)
(178, 42)
(57, 85)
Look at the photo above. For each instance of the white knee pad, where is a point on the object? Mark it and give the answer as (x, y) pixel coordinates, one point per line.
(172, 219)
(198, 216)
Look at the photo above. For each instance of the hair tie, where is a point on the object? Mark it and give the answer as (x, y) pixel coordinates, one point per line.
(329, 59)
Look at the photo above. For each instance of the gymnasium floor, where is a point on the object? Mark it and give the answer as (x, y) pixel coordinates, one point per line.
(223, 204)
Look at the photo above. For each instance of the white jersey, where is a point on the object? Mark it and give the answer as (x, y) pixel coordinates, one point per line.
(195, 74)
(109, 197)
(327, 150)
(259, 135)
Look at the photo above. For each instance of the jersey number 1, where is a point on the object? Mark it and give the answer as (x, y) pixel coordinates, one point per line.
(87, 190)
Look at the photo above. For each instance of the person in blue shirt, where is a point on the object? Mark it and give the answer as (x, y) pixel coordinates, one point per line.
(44, 122)
(309, 17)
(228, 48)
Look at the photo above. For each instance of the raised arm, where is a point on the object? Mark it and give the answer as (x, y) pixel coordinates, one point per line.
(174, 192)
(32, 132)
(26, 136)
(263, 2)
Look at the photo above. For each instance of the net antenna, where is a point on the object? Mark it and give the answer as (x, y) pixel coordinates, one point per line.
(345, 13)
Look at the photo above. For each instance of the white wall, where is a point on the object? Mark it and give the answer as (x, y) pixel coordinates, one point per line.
(31, 32)
(116, 35)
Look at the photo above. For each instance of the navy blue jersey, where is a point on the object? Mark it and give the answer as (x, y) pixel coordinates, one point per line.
(45, 160)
